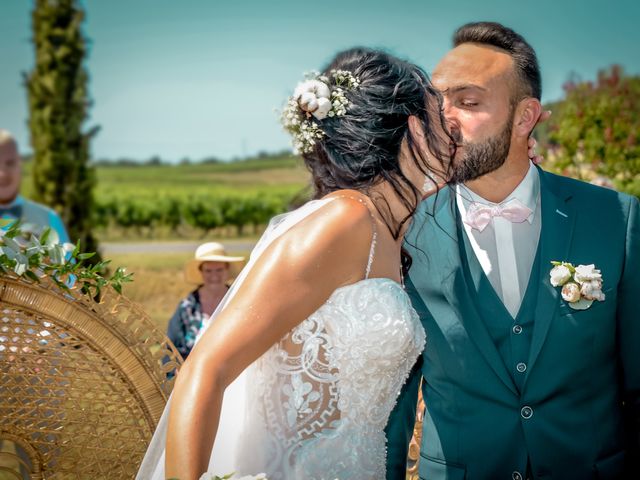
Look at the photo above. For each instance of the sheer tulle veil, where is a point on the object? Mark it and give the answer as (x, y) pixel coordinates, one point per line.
(235, 406)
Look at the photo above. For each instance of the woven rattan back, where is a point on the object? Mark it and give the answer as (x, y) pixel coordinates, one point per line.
(82, 384)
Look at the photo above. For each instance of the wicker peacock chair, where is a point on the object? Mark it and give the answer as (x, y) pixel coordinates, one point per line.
(82, 384)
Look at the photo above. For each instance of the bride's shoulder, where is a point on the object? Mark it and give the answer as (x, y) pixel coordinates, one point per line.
(344, 212)
(339, 229)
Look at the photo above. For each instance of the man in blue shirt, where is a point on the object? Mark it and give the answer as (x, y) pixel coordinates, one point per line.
(13, 206)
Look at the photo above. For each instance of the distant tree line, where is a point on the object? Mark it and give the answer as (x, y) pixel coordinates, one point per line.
(156, 160)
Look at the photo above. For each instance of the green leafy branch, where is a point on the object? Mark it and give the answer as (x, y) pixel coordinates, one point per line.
(34, 257)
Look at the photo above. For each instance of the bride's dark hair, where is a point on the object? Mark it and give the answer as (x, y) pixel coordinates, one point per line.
(362, 148)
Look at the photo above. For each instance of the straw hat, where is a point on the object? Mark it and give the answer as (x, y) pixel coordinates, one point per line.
(207, 252)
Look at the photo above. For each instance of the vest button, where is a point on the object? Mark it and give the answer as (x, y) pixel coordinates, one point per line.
(517, 329)
(526, 412)
(521, 367)
(516, 476)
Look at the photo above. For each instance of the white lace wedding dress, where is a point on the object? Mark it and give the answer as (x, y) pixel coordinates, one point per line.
(317, 402)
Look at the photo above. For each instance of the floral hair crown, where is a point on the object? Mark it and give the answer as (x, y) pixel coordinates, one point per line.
(314, 100)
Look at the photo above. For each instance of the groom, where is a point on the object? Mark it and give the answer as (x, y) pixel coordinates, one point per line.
(517, 383)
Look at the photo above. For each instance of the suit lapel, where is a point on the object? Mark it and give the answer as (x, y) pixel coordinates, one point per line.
(433, 237)
(558, 222)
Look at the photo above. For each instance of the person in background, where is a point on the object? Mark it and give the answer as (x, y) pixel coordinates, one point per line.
(35, 217)
(209, 269)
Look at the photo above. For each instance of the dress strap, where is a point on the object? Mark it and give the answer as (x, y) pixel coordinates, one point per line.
(372, 250)
(374, 236)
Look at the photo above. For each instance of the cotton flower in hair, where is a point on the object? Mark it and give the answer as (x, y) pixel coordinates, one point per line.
(313, 96)
(315, 99)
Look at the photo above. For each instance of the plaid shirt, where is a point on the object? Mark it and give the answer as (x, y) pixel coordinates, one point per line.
(185, 323)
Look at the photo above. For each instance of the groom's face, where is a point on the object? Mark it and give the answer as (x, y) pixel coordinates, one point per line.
(478, 83)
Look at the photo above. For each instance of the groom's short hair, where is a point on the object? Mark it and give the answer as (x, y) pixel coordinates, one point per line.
(524, 57)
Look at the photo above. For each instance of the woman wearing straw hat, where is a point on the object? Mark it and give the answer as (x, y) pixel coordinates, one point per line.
(210, 270)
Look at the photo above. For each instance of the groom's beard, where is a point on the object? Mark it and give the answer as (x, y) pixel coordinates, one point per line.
(478, 159)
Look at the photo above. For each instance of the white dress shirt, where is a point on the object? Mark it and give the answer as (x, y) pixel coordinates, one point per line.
(506, 251)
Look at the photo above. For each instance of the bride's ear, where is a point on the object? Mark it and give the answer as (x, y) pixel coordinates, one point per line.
(416, 130)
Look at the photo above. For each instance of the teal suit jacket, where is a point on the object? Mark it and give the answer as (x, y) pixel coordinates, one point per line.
(582, 383)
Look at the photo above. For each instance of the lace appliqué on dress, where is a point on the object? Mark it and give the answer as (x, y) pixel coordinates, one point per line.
(321, 397)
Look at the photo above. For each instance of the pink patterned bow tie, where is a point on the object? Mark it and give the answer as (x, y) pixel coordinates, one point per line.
(479, 215)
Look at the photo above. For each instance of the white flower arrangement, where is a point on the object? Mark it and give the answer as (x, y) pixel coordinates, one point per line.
(314, 100)
(581, 285)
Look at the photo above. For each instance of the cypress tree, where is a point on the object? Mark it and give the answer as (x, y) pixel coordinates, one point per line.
(58, 108)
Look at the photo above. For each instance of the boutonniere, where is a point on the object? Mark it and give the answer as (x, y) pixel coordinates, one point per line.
(581, 285)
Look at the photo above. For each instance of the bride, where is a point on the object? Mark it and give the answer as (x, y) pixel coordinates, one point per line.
(318, 323)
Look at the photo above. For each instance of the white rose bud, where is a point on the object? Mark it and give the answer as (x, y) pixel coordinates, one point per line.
(324, 105)
(308, 102)
(592, 290)
(587, 273)
(571, 292)
(559, 275)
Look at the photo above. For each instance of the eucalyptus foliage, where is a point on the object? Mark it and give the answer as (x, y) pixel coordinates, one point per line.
(33, 257)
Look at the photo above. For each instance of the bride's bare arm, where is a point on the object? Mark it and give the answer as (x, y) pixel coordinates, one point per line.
(291, 280)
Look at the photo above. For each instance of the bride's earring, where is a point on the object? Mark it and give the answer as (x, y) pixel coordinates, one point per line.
(429, 185)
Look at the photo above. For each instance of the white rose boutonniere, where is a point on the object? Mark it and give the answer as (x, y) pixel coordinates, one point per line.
(560, 274)
(581, 285)
(571, 292)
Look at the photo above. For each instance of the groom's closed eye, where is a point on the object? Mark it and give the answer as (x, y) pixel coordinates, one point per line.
(465, 96)
(465, 102)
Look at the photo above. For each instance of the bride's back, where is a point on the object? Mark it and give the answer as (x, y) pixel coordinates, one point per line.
(318, 400)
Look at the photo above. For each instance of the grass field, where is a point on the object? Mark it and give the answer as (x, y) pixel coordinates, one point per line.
(284, 174)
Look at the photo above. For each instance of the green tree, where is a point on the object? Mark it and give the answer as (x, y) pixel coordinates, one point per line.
(58, 107)
(595, 130)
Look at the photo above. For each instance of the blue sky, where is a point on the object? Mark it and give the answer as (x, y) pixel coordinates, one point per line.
(200, 78)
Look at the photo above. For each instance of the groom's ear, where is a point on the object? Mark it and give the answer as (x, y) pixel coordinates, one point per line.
(527, 114)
